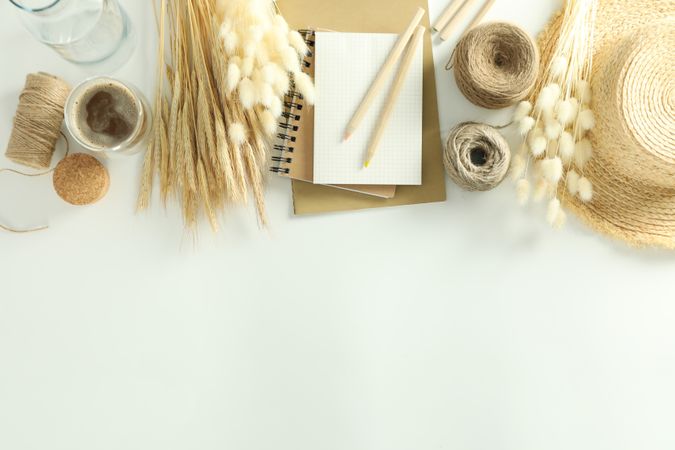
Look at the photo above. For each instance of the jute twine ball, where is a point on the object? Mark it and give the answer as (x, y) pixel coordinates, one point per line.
(496, 65)
(476, 156)
(80, 179)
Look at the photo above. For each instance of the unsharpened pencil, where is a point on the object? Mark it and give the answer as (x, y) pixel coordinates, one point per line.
(386, 68)
(447, 14)
(476, 20)
(393, 94)
(462, 14)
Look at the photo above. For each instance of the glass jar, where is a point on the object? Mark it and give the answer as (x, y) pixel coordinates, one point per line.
(81, 31)
(104, 114)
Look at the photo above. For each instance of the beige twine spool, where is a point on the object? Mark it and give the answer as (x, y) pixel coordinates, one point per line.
(496, 65)
(38, 120)
(476, 156)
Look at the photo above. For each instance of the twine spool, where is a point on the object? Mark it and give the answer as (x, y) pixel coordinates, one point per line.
(38, 120)
(496, 65)
(476, 156)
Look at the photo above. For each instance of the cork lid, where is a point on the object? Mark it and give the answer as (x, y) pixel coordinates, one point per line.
(80, 179)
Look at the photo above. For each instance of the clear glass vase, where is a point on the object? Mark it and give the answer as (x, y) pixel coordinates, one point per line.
(81, 31)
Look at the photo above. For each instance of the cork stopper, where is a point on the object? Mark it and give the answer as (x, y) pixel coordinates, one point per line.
(80, 179)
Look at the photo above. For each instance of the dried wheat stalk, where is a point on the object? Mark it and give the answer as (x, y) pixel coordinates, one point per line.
(224, 67)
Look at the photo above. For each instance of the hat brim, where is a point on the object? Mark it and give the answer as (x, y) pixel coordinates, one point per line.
(622, 207)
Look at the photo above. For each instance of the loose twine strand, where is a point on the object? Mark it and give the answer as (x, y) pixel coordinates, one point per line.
(39, 174)
(37, 126)
(495, 65)
(476, 156)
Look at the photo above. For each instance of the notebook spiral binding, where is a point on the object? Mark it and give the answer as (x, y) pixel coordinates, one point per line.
(287, 129)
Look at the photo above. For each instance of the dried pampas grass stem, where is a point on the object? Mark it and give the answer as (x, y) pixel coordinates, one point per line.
(224, 67)
(556, 121)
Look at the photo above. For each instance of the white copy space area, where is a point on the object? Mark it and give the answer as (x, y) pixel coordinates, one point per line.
(467, 325)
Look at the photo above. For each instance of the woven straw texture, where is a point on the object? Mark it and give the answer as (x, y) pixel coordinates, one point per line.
(633, 167)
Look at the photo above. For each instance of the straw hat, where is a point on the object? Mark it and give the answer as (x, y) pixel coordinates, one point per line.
(633, 166)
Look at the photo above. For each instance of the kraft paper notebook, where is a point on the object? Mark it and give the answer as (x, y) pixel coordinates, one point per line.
(376, 16)
(294, 146)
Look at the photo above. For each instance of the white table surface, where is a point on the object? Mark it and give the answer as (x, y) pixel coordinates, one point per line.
(467, 324)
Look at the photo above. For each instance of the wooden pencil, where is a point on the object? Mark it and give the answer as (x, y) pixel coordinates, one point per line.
(462, 14)
(386, 68)
(476, 20)
(450, 11)
(393, 94)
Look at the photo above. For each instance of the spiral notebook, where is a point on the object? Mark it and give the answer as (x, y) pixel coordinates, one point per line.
(294, 145)
(375, 16)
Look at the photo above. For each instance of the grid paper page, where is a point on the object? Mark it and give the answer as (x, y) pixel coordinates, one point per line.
(346, 65)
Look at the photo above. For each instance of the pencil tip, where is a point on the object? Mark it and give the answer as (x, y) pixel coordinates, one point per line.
(366, 164)
(346, 136)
